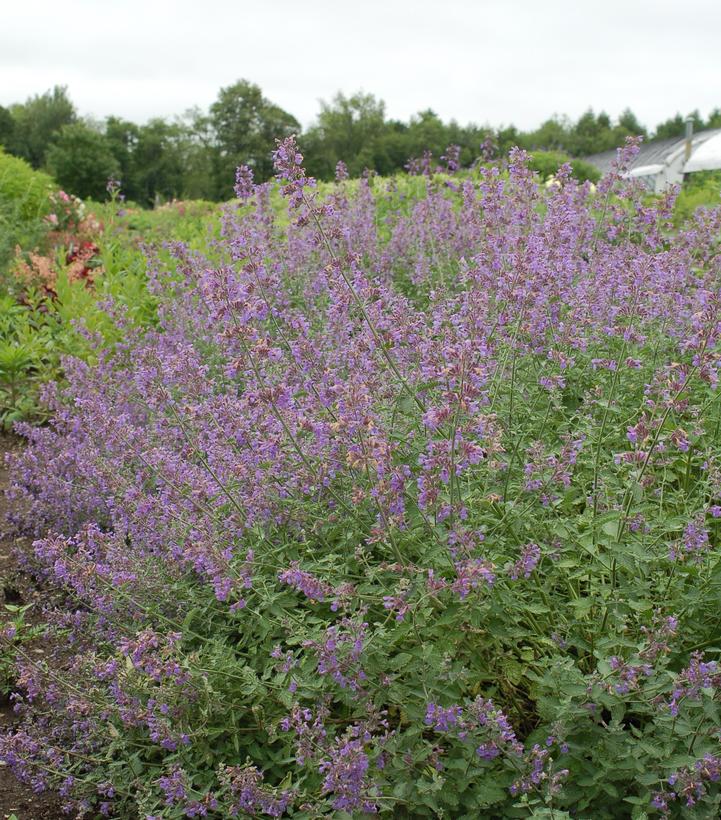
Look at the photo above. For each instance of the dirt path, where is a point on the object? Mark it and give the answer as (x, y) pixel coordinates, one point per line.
(15, 588)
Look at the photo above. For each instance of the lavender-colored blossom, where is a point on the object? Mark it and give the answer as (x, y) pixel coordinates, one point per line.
(340, 652)
(174, 786)
(627, 675)
(249, 795)
(346, 777)
(691, 783)
(244, 186)
(442, 719)
(694, 678)
(472, 574)
(398, 604)
(524, 566)
(452, 158)
(695, 542)
(313, 588)
(336, 420)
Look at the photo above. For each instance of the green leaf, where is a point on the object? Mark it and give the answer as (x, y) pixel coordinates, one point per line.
(401, 660)
(612, 528)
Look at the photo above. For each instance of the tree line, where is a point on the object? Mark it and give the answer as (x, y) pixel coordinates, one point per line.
(195, 156)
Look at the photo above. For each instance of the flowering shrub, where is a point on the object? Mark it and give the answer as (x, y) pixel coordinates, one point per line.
(416, 517)
(66, 212)
(76, 234)
(24, 204)
(63, 289)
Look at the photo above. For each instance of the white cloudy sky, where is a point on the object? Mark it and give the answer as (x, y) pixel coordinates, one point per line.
(485, 61)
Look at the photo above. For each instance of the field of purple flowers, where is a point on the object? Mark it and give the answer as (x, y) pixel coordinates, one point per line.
(409, 506)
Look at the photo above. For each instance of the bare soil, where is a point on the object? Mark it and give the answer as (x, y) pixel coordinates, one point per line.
(17, 587)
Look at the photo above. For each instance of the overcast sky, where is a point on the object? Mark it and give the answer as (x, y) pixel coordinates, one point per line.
(483, 61)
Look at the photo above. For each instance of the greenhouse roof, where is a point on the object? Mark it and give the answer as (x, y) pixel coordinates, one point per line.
(650, 153)
(655, 154)
(707, 157)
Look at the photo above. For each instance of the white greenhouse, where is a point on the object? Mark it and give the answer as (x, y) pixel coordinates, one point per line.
(661, 163)
(707, 157)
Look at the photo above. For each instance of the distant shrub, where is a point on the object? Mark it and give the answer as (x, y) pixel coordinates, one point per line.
(82, 161)
(24, 202)
(547, 163)
(700, 190)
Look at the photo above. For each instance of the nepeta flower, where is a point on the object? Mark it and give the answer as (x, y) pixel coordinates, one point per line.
(313, 588)
(690, 682)
(346, 779)
(442, 719)
(524, 566)
(472, 574)
(288, 162)
(244, 187)
(174, 786)
(249, 795)
(695, 541)
(452, 158)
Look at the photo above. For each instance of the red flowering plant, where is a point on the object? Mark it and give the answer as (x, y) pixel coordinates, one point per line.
(70, 243)
(417, 518)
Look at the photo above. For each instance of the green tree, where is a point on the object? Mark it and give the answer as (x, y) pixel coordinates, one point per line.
(629, 122)
(551, 135)
(672, 127)
(37, 121)
(245, 126)
(122, 136)
(162, 160)
(7, 126)
(349, 129)
(714, 119)
(676, 126)
(591, 134)
(396, 148)
(201, 157)
(81, 160)
(158, 161)
(508, 137)
(427, 132)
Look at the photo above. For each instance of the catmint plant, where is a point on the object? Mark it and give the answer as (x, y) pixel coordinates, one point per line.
(408, 504)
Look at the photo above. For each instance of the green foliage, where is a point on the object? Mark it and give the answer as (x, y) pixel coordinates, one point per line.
(26, 352)
(37, 121)
(349, 129)
(591, 134)
(700, 190)
(187, 222)
(81, 160)
(675, 127)
(547, 163)
(196, 155)
(24, 202)
(157, 170)
(7, 126)
(122, 137)
(24, 189)
(714, 119)
(160, 161)
(245, 126)
(22, 633)
(37, 331)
